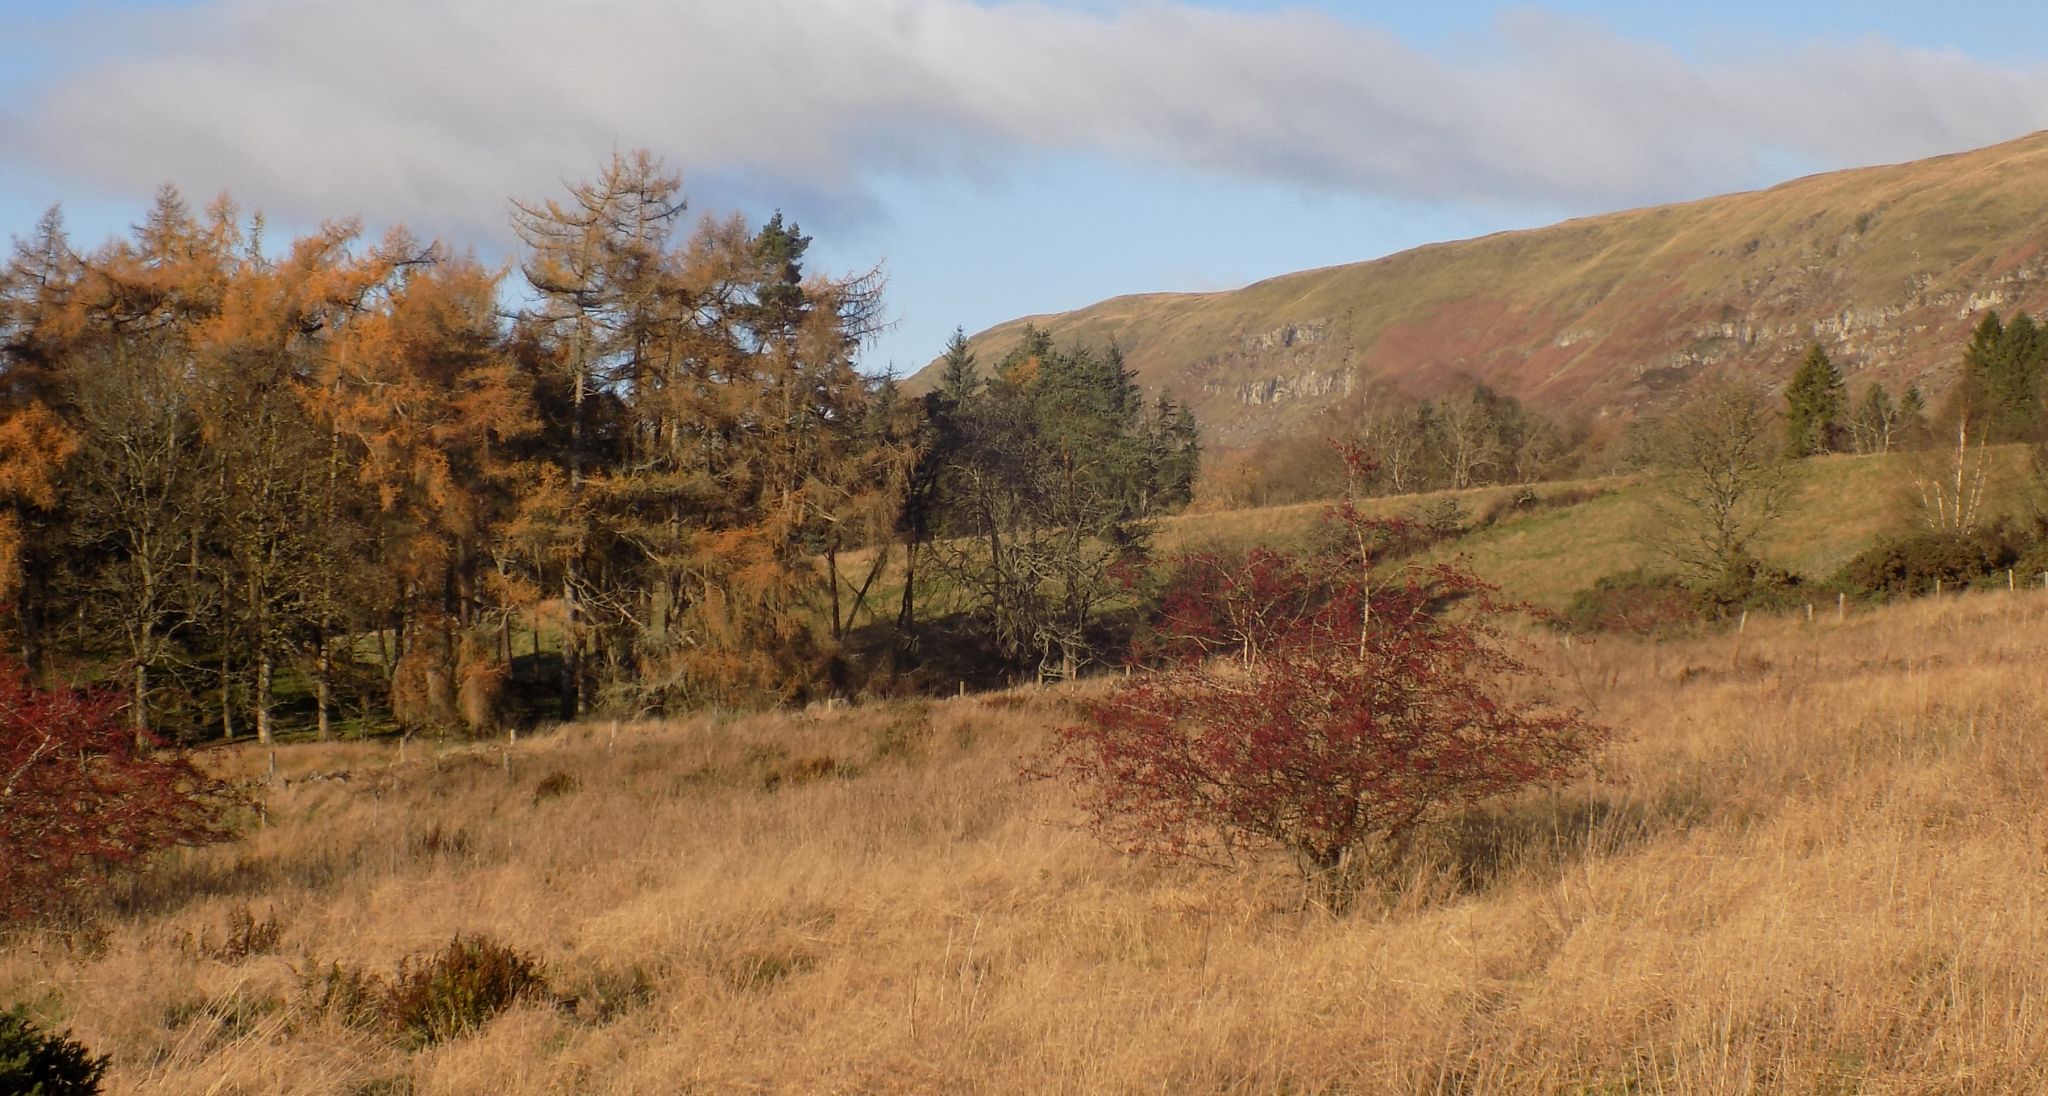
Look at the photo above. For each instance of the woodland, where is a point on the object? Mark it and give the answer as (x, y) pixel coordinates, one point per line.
(364, 483)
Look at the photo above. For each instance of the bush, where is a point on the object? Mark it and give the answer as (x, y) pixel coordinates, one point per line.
(82, 796)
(459, 989)
(1384, 704)
(437, 996)
(1639, 602)
(1749, 584)
(39, 1063)
(1910, 566)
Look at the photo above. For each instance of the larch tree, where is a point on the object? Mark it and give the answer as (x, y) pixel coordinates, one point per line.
(596, 262)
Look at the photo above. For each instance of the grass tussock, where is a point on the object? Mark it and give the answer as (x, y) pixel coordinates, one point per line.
(1811, 865)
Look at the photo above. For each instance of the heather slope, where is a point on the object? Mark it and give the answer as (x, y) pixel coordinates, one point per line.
(1888, 267)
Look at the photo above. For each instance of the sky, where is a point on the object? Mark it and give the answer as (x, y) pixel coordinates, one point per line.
(995, 158)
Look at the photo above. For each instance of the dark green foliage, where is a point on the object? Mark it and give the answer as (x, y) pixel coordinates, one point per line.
(960, 377)
(1910, 566)
(1638, 602)
(1816, 406)
(34, 1062)
(1749, 584)
(459, 989)
(1036, 496)
(2002, 376)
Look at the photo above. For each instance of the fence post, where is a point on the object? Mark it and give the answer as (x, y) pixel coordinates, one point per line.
(1841, 606)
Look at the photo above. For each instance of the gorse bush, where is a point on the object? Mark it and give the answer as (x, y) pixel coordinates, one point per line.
(1911, 566)
(1639, 602)
(34, 1062)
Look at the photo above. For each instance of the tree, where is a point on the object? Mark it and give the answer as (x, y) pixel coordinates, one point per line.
(1361, 708)
(1723, 479)
(1877, 421)
(597, 264)
(2002, 375)
(79, 795)
(1949, 481)
(42, 1063)
(1816, 405)
(1047, 495)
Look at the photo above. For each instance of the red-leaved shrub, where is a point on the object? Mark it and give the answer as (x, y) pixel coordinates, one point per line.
(1354, 709)
(78, 795)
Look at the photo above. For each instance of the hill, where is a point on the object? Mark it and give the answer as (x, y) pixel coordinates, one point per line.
(1803, 869)
(1888, 267)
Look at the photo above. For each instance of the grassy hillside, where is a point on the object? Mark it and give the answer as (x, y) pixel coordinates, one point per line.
(1839, 505)
(1805, 868)
(1887, 266)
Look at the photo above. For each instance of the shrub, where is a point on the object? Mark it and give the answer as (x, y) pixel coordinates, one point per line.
(459, 988)
(1382, 706)
(1639, 602)
(1910, 566)
(1748, 583)
(39, 1063)
(79, 795)
(555, 785)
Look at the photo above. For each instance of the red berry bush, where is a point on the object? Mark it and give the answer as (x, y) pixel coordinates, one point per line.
(1343, 713)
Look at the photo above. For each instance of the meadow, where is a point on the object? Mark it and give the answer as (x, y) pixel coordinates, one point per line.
(1812, 862)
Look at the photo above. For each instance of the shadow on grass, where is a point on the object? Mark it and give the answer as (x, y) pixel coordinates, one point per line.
(1485, 847)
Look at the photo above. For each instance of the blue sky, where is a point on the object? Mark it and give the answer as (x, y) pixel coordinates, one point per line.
(997, 158)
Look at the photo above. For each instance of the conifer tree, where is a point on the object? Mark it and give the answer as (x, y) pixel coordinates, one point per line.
(1816, 405)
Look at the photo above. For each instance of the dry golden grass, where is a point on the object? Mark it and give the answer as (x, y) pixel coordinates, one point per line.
(1815, 863)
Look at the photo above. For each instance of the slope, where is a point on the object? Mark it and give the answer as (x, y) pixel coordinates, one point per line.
(1888, 267)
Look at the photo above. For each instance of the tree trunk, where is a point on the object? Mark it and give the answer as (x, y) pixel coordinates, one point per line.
(264, 732)
(138, 712)
(322, 685)
(572, 653)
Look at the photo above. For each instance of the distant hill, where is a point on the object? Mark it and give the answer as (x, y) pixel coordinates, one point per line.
(1888, 267)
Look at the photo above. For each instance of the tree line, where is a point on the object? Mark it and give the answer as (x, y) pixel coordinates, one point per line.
(347, 479)
(1473, 437)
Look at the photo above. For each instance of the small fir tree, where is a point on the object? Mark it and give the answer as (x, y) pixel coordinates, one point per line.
(1815, 406)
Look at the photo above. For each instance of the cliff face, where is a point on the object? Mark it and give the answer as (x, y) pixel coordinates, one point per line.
(1888, 268)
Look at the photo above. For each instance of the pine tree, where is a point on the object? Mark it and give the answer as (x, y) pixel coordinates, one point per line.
(959, 377)
(2002, 370)
(1816, 405)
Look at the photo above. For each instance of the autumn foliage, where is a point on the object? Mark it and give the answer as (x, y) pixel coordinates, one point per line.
(1347, 711)
(79, 796)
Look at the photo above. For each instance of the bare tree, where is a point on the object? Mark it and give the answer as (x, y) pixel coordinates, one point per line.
(1724, 477)
(1949, 481)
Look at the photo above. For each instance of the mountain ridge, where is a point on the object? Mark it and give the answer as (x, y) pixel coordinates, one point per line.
(1887, 267)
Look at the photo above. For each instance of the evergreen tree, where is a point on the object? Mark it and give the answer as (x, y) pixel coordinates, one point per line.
(2002, 371)
(1049, 477)
(1816, 405)
(959, 376)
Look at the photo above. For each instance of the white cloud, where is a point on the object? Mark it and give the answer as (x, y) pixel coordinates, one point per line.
(437, 112)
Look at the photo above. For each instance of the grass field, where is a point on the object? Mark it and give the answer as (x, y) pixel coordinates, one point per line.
(1838, 506)
(1813, 863)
